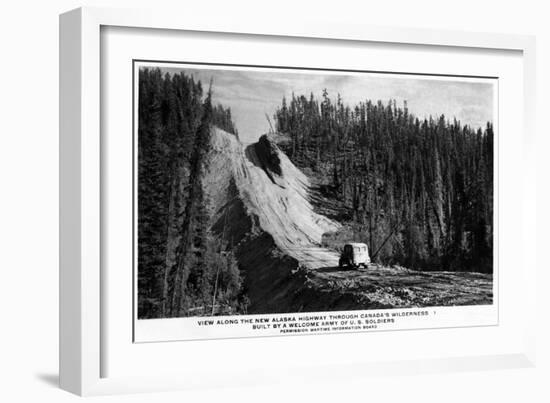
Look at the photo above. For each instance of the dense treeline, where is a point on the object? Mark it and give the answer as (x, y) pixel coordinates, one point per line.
(183, 269)
(419, 192)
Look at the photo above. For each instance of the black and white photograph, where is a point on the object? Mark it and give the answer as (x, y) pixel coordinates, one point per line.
(268, 190)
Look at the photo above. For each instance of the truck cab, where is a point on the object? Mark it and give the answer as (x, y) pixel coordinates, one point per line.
(354, 255)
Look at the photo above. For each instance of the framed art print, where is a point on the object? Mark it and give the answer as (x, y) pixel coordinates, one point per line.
(251, 195)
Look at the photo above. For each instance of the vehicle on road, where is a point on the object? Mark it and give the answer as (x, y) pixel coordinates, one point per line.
(354, 255)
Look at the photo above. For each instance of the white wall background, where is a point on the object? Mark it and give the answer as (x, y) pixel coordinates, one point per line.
(29, 201)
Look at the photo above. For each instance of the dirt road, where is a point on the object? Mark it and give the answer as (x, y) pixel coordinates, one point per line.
(391, 287)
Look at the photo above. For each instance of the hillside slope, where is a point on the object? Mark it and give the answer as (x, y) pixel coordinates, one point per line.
(259, 202)
(262, 184)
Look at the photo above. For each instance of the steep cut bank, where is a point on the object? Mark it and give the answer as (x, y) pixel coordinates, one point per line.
(258, 202)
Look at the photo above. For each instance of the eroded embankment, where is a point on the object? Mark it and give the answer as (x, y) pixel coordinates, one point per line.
(259, 203)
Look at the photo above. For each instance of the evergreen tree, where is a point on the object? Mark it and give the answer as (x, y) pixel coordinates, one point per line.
(174, 240)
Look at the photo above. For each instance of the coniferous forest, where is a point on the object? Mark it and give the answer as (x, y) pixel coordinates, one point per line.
(183, 268)
(418, 192)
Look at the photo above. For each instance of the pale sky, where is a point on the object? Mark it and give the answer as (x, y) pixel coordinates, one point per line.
(251, 93)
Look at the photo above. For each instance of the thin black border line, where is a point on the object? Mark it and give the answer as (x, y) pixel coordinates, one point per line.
(134, 201)
(497, 215)
(134, 279)
(312, 68)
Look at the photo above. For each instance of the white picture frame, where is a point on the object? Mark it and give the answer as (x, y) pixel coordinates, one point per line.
(82, 307)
